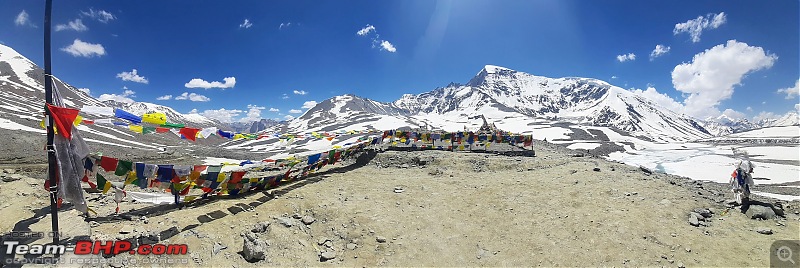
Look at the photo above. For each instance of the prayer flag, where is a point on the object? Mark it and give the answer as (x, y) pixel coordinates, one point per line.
(155, 118)
(127, 116)
(63, 118)
(108, 164)
(123, 167)
(189, 133)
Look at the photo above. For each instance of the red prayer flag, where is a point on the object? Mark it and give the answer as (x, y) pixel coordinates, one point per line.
(108, 163)
(237, 176)
(63, 119)
(162, 130)
(189, 133)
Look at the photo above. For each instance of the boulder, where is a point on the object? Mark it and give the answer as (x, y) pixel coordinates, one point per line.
(254, 249)
(760, 212)
(693, 221)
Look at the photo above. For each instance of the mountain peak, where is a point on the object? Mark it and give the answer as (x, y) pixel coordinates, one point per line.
(494, 69)
(487, 71)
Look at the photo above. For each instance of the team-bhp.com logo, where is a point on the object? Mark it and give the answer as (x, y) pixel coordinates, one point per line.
(34, 253)
(96, 247)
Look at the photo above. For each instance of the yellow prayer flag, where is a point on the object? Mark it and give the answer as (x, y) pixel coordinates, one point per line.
(106, 187)
(238, 136)
(131, 177)
(78, 120)
(155, 118)
(137, 129)
(189, 198)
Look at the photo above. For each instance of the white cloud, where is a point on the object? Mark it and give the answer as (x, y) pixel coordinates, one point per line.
(295, 111)
(253, 113)
(791, 92)
(309, 104)
(23, 20)
(749, 109)
(658, 51)
(200, 83)
(299, 92)
(765, 115)
(246, 24)
(192, 97)
(370, 30)
(79, 48)
(364, 31)
(284, 25)
(76, 25)
(626, 57)
(132, 76)
(274, 110)
(100, 15)
(165, 97)
(660, 99)
(696, 26)
(288, 117)
(385, 45)
(285, 96)
(125, 97)
(712, 74)
(614, 77)
(733, 114)
(223, 115)
(85, 90)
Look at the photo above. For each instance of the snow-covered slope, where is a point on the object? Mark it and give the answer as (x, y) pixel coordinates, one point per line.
(506, 94)
(22, 104)
(139, 108)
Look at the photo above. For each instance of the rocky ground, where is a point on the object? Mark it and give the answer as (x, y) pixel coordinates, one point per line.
(432, 208)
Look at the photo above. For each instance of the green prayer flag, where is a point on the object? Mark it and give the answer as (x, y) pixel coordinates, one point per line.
(146, 130)
(173, 125)
(101, 181)
(123, 167)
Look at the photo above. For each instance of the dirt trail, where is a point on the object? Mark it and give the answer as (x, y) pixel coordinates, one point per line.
(457, 209)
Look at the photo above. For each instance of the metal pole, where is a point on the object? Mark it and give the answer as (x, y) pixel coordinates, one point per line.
(48, 95)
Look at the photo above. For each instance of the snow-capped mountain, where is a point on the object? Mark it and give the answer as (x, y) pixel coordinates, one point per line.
(501, 93)
(254, 126)
(22, 104)
(513, 100)
(724, 125)
(190, 119)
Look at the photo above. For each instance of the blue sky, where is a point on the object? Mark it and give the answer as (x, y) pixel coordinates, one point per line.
(319, 53)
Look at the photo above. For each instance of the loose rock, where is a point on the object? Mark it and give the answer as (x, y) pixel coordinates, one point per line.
(351, 246)
(760, 212)
(127, 229)
(380, 239)
(766, 231)
(693, 221)
(260, 227)
(285, 221)
(254, 249)
(307, 220)
(327, 255)
(217, 248)
(703, 212)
